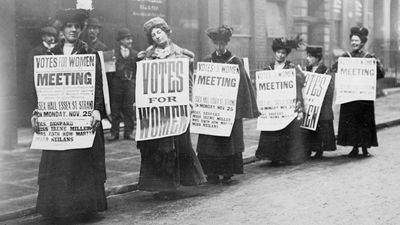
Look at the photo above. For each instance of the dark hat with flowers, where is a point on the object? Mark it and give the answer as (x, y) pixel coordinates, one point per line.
(221, 33)
(73, 16)
(361, 32)
(286, 43)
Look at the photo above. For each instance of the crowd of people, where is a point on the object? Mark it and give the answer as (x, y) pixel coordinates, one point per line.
(71, 182)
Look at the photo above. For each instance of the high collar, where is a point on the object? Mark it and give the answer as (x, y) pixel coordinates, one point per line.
(80, 47)
(225, 56)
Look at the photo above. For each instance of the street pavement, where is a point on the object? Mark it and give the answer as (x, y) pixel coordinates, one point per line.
(334, 190)
(19, 167)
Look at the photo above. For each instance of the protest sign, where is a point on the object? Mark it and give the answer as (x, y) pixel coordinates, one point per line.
(215, 92)
(106, 93)
(355, 79)
(65, 87)
(162, 98)
(276, 98)
(314, 92)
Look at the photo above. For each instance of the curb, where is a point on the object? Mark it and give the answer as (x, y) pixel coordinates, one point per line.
(125, 188)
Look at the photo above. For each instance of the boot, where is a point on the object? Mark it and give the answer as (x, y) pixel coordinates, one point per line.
(354, 152)
(365, 152)
(113, 137)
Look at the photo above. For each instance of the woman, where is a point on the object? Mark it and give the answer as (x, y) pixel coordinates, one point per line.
(166, 162)
(289, 144)
(357, 119)
(323, 138)
(71, 182)
(222, 156)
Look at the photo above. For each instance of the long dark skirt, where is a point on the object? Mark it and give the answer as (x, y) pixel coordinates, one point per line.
(71, 182)
(222, 165)
(323, 138)
(288, 145)
(166, 168)
(357, 124)
(222, 155)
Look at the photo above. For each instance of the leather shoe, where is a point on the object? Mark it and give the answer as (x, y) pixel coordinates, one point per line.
(353, 153)
(129, 137)
(113, 138)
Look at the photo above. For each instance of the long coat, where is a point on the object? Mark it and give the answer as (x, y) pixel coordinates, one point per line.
(246, 107)
(169, 162)
(71, 182)
(289, 144)
(323, 138)
(357, 119)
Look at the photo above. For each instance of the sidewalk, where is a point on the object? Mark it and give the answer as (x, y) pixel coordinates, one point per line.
(19, 167)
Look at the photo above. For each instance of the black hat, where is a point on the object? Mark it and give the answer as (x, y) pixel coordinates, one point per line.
(361, 32)
(314, 50)
(222, 33)
(49, 30)
(72, 15)
(123, 33)
(286, 44)
(94, 22)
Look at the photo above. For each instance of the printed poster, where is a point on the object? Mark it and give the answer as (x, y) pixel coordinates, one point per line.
(162, 98)
(355, 79)
(65, 87)
(276, 98)
(313, 95)
(215, 93)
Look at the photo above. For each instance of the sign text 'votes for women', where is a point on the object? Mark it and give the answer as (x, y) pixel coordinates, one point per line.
(355, 80)
(162, 98)
(215, 92)
(276, 98)
(65, 90)
(313, 94)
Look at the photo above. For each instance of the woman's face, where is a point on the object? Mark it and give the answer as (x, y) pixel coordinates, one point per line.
(159, 36)
(280, 55)
(220, 46)
(71, 32)
(312, 61)
(356, 43)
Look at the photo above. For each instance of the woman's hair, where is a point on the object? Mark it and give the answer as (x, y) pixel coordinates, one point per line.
(163, 27)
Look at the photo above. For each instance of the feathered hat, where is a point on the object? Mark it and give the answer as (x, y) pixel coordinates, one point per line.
(314, 50)
(72, 15)
(222, 33)
(286, 44)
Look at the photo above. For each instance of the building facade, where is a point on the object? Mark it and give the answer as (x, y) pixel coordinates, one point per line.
(256, 23)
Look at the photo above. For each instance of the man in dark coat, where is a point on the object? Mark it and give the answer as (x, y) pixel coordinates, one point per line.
(71, 182)
(122, 86)
(92, 33)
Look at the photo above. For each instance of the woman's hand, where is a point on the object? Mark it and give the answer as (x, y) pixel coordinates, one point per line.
(96, 120)
(141, 55)
(34, 123)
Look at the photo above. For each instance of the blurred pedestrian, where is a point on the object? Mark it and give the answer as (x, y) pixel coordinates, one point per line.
(122, 86)
(288, 145)
(167, 162)
(71, 182)
(357, 126)
(323, 138)
(221, 157)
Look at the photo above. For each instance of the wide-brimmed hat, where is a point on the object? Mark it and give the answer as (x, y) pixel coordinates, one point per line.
(286, 44)
(361, 32)
(123, 33)
(221, 33)
(93, 22)
(156, 21)
(72, 15)
(314, 50)
(49, 30)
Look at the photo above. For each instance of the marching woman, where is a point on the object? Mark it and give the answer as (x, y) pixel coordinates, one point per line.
(221, 157)
(323, 138)
(357, 126)
(71, 182)
(288, 145)
(167, 162)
